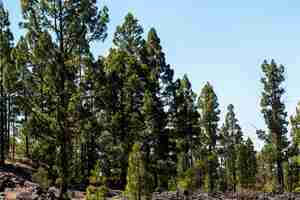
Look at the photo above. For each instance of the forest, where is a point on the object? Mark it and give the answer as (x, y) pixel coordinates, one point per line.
(121, 121)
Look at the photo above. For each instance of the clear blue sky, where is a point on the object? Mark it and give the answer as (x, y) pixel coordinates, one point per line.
(223, 42)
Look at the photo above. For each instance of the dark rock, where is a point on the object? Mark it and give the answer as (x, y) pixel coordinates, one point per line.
(53, 193)
(174, 195)
(114, 193)
(6, 183)
(24, 196)
(33, 187)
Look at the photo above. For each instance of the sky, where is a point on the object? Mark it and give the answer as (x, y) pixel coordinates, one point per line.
(223, 42)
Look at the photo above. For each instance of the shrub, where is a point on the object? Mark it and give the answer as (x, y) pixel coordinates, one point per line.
(97, 189)
(193, 178)
(137, 187)
(96, 193)
(41, 177)
(96, 177)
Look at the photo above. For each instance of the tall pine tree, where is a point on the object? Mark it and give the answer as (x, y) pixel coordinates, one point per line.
(209, 113)
(186, 124)
(246, 164)
(158, 79)
(231, 137)
(56, 30)
(294, 153)
(6, 63)
(273, 110)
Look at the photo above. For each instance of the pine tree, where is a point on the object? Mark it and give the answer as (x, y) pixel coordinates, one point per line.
(20, 55)
(246, 164)
(137, 186)
(252, 162)
(293, 164)
(92, 112)
(128, 36)
(295, 132)
(158, 78)
(265, 168)
(56, 32)
(6, 46)
(124, 104)
(126, 80)
(156, 138)
(273, 110)
(186, 122)
(160, 70)
(231, 137)
(209, 113)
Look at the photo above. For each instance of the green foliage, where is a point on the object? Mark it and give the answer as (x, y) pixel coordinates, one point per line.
(61, 31)
(212, 174)
(97, 190)
(7, 82)
(209, 112)
(96, 193)
(297, 189)
(273, 110)
(187, 181)
(137, 187)
(121, 118)
(194, 178)
(97, 177)
(128, 36)
(265, 169)
(186, 122)
(295, 132)
(292, 174)
(41, 177)
(231, 136)
(246, 164)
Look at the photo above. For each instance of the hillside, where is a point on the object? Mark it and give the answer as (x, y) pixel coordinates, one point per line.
(16, 183)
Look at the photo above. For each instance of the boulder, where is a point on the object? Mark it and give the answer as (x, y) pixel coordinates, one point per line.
(53, 193)
(26, 196)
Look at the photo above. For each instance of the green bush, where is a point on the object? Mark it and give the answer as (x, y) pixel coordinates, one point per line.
(137, 187)
(97, 189)
(96, 193)
(186, 182)
(41, 177)
(297, 189)
(193, 178)
(96, 177)
(172, 185)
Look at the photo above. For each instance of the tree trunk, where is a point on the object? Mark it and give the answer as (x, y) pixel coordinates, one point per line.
(27, 139)
(14, 141)
(61, 109)
(65, 165)
(8, 116)
(280, 178)
(210, 172)
(2, 161)
(234, 180)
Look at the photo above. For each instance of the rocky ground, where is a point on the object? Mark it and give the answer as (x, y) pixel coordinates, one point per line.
(221, 196)
(15, 183)
(218, 196)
